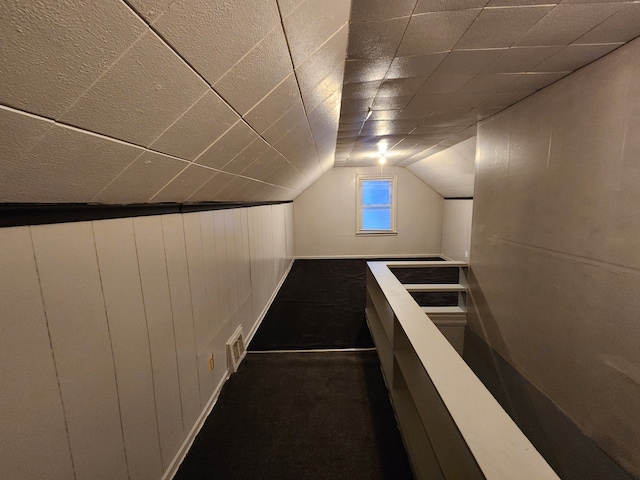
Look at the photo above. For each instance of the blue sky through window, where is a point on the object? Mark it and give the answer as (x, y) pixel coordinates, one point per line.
(376, 204)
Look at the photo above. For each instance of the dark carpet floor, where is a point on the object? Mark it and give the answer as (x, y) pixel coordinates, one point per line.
(306, 415)
(321, 305)
(301, 416)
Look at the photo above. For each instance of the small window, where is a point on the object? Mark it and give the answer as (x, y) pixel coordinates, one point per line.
(376, 204)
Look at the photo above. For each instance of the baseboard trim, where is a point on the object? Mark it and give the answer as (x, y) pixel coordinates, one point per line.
(393, 255)
(266, 308)
(188, 442)
(186, 445)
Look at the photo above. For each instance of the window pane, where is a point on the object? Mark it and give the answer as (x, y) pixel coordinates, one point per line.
(376, 218)
(376, 192)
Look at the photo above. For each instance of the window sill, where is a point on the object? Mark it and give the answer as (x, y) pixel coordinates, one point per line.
(375, 233)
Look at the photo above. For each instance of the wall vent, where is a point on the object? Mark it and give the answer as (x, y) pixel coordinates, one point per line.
(236, 350)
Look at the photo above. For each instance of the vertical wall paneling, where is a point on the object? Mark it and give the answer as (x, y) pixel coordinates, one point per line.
(34, 441)
(197, 282)
(231, 258)
(72, 292)
(107, 327)
(155, 289)
(221, 266)
(211, 273)
(117, 261)
(179, 290)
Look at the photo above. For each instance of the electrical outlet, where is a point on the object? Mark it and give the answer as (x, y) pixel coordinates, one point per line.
(211, 362)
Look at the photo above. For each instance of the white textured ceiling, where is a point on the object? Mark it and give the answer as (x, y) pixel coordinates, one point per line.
(122, 101)
(168, 100)
(420, 74)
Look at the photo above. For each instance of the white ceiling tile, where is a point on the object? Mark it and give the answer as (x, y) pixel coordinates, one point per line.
(274, 105)
(369, 70)
(331, 85)
(150, 9)
(326, 60)
(467, 62)
(66, 165)
(247, 156)
(214, 36)
(521, 59)
(147, 90)
(304, 36)
(567, 22)
(197, 128)
(422, 105)
(358, 91)
(391, 103)
(424, 6)
(287, 6)
(621, 27)
(488, 83)
(447, 83)
(207, 193)
(46, 75)
(530, 82)
(415, 65)
(401, 87)
(501, 27)
(259, 167)
(573, 57)
(520, 3)
(435, 32)
(284, 124)
(259, 72)
(19, 133)
(185, 184)
(236, 139)
(376, 40)
(142, 179)
(381, 10)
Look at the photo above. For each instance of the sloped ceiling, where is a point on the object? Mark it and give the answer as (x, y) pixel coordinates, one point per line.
(168, 100)
(450, 172)
(420, 74)
(122, 101)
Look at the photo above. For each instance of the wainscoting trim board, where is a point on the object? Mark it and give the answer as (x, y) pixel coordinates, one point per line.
(21, 214)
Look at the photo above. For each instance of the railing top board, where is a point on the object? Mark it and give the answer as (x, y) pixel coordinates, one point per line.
(500, 448)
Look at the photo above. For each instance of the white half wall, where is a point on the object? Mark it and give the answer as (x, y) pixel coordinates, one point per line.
(325, 217)
(107, 327)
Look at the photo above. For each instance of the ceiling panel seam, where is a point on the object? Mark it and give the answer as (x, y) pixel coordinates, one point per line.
(295, 74)
(192, 67)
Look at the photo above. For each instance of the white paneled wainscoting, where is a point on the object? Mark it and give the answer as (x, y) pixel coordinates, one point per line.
(107, 329)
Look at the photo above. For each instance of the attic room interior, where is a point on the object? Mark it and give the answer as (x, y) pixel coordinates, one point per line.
(176, 175)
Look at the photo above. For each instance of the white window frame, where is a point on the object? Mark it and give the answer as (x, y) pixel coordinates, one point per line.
(394, 203)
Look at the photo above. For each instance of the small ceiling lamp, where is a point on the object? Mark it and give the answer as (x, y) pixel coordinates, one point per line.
(382, 160)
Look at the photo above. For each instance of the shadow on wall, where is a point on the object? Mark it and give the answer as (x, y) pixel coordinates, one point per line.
(572, 454)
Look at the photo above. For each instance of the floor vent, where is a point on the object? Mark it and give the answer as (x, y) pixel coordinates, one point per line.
(236, 350)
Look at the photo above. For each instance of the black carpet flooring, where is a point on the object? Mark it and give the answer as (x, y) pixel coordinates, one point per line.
(321, 305)
(311, 415)
(301, 416)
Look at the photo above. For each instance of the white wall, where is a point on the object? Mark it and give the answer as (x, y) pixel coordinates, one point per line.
(555, 260)
(325, 216)
(456, 229)
(107, 327)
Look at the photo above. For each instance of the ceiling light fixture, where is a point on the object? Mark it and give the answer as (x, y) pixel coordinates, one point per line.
(382, 160)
